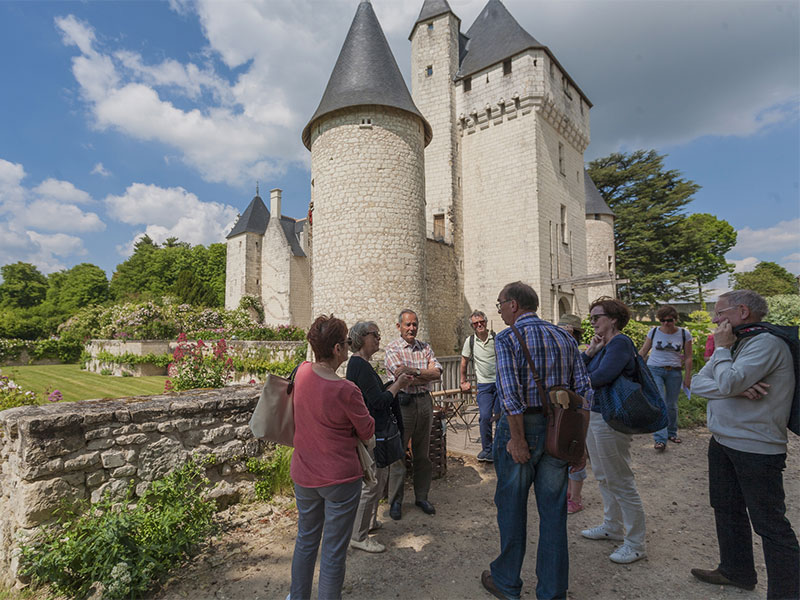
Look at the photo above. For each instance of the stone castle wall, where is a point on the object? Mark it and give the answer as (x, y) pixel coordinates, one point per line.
(276, 276)
(446, 307)
(300, 292)
(368, 257)
(81, 450)
(242, 268)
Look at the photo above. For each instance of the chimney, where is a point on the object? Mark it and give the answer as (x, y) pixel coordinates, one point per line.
(275, 202)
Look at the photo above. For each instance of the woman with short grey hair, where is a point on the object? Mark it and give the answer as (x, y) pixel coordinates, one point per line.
(383, 406)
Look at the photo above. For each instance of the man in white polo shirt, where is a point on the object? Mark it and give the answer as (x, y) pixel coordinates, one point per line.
(479, 347)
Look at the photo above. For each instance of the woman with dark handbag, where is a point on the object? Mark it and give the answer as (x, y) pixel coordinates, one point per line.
(383, 406)
(330, 419)
(610, 355)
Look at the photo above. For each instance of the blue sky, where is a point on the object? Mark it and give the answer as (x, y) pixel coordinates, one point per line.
(120, 118)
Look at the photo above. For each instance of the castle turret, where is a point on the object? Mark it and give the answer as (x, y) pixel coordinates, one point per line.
(600, 249)
(243, 255)
(434, 63)
(367, 141)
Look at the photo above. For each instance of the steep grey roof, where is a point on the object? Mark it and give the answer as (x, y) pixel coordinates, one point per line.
(254, 219)
(595, 204)
(431, 9)
(494, 36)
(291, 231)
(365, 73)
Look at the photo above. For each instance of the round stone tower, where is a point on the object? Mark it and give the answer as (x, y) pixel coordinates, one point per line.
(600, 249)
(367, 141)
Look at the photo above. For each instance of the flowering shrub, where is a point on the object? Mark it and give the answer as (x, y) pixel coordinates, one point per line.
(55, 396)
(11, 395)
(65, 350)
(198, 365)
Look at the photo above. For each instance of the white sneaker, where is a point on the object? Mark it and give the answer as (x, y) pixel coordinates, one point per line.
(601, 533)
(625, 554)
(368, 545)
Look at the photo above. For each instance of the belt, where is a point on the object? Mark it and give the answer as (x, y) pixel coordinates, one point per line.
(671, 368)
(413, 395)
(533, 410)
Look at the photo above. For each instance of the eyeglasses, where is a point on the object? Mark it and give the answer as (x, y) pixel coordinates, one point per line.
(719, 312)
(669, 320)
(375, 333)
(345, 342)
(595, 318)
(481, 322)
(501, 302)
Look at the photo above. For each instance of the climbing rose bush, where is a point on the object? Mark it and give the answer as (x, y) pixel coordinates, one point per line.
(198, 365)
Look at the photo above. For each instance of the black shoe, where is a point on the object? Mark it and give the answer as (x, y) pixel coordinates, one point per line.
(488, 584)
(396, 511)
(716, 578)
(426, 507)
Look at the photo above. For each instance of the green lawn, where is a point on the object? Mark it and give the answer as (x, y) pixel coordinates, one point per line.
(75, 384)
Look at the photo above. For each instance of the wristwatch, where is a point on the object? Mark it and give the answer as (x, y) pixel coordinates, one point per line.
(418, 372)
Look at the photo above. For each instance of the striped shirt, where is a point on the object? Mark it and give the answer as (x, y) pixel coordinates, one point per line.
(418, 355)
(556, 358)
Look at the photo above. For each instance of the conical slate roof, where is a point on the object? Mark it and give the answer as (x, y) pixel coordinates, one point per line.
(431, 9)
(365, 73)
(254, 219)
(595, 204)
(494, 36)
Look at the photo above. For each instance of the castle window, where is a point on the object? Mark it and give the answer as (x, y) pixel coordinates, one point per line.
(438, 227)
(467, 84)
(429, 70)
(581, 105)
(507, 67)
(430, 26)
(552, 70)
(596, 217)
(564, 233)
(256, 245)
(256, 281)
(561, 159)
(610, 264)
(565, 85)
(366, 122)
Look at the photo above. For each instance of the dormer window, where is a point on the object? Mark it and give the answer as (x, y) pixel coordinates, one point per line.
(467, 84)
(507, 67)
(366, 122)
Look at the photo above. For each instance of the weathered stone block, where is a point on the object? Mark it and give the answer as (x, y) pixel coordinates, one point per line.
(125, 471)
(116, 488)
(161, 457)
(36, 501)
(82, 461)
(94, 434)
(101, 444)
(96, 478)
(31, 471)
(166, 427)
(136, 438)
(219, 435)
(186, 424)
(113, 459)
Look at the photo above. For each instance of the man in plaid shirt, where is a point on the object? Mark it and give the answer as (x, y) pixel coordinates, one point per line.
(519, 457)
(409, 355)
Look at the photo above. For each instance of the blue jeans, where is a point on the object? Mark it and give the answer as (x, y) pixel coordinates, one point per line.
(549, 478)
(488, 406)
(332, 508)
(669, 384)
(747, 488)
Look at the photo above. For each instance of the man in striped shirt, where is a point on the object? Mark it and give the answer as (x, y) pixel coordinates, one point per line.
(409, 355)
(519, 457)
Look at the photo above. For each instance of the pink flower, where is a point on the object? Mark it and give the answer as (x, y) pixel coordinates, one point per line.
(55, 396)
(252, 381)
(167, 385)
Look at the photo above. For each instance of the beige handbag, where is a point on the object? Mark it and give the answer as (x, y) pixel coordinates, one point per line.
(367, 462)
(273, 418)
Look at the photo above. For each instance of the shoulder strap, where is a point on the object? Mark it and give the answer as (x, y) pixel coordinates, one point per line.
(472, 347)
(683, 336)
(652, 334)
(542, 396)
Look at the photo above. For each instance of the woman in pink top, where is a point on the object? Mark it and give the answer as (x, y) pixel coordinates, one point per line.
(329, 416)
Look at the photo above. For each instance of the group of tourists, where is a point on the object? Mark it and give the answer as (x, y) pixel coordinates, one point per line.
(749, 382)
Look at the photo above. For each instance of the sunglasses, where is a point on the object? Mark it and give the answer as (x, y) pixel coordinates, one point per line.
(375, 333)
(595, 318)
(669, 320)
(476, 323)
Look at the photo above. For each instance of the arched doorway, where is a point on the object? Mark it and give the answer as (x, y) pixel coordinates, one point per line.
(563, 307)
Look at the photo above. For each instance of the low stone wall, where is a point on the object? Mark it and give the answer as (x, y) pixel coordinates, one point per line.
(24, 359)
(277, 350)
(80, 450)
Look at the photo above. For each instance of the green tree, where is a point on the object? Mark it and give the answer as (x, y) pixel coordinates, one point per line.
(82, 285)
(707, 240)
(189, 288)
(768, 279)
(23, 285)
(648, 202)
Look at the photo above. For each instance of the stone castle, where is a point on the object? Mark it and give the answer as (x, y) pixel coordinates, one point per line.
(434, 199)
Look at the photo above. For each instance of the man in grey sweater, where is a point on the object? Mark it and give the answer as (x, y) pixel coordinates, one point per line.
(749, 383)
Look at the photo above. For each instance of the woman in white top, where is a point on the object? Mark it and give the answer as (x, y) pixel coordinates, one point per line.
(671, 349)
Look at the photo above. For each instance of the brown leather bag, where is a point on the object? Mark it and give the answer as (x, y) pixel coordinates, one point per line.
(567, 421)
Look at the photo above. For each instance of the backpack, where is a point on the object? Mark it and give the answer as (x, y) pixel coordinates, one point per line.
(788, 333)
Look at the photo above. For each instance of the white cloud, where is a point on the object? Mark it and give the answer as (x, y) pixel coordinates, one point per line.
(781, 237)
(745, 264)
(99, 169)
(51, 207)
(170, 212)
(791, 263)
(61, 191)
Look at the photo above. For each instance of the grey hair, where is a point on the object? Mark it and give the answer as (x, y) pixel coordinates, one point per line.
(478, 313)
(358, 332)
(404, 312)
(752, 300)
